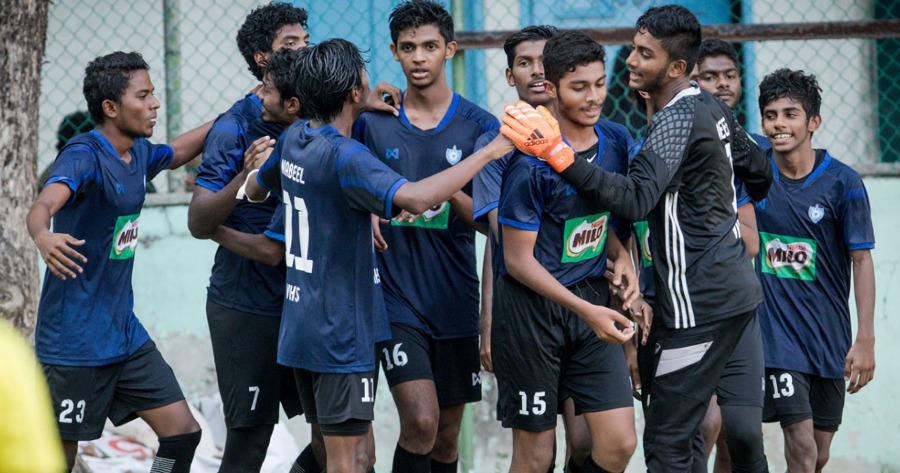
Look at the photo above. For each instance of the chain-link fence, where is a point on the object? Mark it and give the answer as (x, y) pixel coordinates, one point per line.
(198, 71)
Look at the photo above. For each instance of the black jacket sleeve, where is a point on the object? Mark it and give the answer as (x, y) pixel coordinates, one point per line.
(750, 165)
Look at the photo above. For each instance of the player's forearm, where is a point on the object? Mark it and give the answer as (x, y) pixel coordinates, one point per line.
(188, 145)
(38, 219)
(256, 247)
(487, 283)
(864, 291)
(526, 270)
(417, 197)
(630, 198)
(208, 209)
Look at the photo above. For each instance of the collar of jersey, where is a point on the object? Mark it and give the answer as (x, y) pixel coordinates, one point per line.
(601, 142)
(255, 99)
(451, 111)
(693, 89)
(811, 177)
(105, 142)
(321, 129)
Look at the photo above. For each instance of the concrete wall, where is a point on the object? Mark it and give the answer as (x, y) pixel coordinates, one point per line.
(171, 274)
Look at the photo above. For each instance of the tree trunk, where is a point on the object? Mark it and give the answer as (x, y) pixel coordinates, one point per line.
(23, 31)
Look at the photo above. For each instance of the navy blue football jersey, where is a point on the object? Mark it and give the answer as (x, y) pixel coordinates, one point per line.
(236, 282)
(571, 230)
(429, 273)
(89, 320)
(806, 232)
(333, 303)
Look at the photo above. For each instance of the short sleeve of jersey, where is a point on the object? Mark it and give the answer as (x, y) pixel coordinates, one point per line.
(76, 167)
(222, 153)
(269, 175)
(275, 230)
(522, 199)
(486, 184)
(367, 183)
(857, 216)
(160, 158)
(740, 193)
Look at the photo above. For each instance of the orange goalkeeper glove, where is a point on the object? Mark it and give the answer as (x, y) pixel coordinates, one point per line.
(536, 132)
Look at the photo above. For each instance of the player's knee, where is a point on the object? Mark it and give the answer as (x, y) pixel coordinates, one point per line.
(822, 457)
(421, 426)
(617, 452)
(580, 446)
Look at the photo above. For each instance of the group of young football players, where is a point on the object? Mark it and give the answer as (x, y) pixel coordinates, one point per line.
(700, 269)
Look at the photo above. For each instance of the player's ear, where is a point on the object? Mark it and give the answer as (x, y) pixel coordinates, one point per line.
(677, 68)
(814, 123)
(394, 52)
(450, 50)
(260, 58)
(292, 106)
(509, 78)
(110, 108)
(551, 89)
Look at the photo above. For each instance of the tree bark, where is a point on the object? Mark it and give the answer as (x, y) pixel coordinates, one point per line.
(23, 31)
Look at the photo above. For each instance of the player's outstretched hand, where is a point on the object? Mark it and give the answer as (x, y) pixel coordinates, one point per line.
(624, 282)
(500, 146)
(642, 313)
(57, 252)
(258, 152)
(380, 243)
(603, 320)
(859, 367)
(384, 98)
(536, 132)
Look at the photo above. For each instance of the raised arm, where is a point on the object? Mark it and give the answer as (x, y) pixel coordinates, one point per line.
(188, 145)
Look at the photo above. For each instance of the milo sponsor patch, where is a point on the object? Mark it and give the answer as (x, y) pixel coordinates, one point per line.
(788, 257)
(642, 232)
(125, 237)
(436, 217)
(585, 237)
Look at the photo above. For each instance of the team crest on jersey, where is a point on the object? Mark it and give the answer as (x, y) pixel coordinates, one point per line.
(585, 237)
(436, 217)
(789, 257)
(453, 154)
(815, 213)
(125, 237)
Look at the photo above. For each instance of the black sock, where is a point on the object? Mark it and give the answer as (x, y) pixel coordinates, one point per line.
(571, 467)
(408, 462)
(439, 467)
(245, 449)
(306, 462)
(176, 453)
(590, 466)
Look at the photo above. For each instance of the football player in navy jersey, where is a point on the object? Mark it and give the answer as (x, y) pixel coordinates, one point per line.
(815, 235)
(334, 311)
(718, 72)
(554, 248)
(244, 297)
(430, 276)
(682, 180)
(99, 360)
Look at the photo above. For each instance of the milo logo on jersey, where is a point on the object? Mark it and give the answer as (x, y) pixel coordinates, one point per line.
(125, 237)
(585, 237)
(642, 232)
(436, 217)
(789, 257)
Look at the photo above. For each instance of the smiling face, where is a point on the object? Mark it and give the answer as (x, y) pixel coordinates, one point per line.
(648, 63)
(274, 109)
(135, 112)
(785, 123)
(580, 94)
(527, 73)
(422, 52)
(719, 76)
